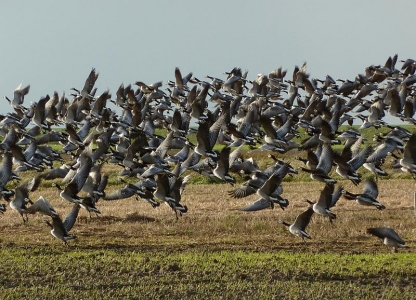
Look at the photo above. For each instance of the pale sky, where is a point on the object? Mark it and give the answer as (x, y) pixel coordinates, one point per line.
(53, 45)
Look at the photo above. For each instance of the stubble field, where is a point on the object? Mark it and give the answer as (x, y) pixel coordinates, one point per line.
(214, 250)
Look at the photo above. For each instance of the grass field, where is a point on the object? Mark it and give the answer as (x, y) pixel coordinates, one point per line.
(133, 251)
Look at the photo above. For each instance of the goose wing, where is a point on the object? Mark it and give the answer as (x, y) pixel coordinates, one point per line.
(70, 219)
(325, 197)
(214, 130)
(6, 168)
(257, 205)
(370, 188)
(303, 219)
(385, 232)
(409, 155)
(336, 195)
(325, 159)
(122, 193)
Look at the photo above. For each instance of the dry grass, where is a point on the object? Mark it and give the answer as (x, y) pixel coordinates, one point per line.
(214, 220)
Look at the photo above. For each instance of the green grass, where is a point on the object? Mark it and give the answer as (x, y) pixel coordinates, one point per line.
(147, 274)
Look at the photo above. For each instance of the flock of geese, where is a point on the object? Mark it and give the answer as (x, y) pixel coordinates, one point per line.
(235, 112)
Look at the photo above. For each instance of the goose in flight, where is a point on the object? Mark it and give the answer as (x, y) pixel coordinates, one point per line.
(41, 206)
(207, 137)
(388, 236)
(298, 228)
(327, 199)
(223, 165)
(88, 85)
(60, 229)
(19, 96)
(408, 162)
(368, 197)
(324, 165)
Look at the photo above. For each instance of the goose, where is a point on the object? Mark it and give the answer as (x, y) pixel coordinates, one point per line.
(21, 198)
(250, 186)
(258, 178)
(262, 203)
(298, 228)
(144, 189)
(272, 137)
(178, 125)
(327, 199)
(169, 190)
(181, 155)
(312, 158)
(59, 172)
(408, 162)
(73, 136)
(324, 165)
(20, 159)
(207, 137)
(19, 95)
(123, 193)
(41, 111)
(6, 173)
(153, 170)
(368, 196)
(88, 85)
(241, 133)
(181, 82)
(51, 136)
(271, 186)
(60, 229)
(389, 145)
(388, 236)
(99, 104)
(70, 192)
(222, 167)
(41, 206)
(347, 164)
(88, 203)
(93, 181)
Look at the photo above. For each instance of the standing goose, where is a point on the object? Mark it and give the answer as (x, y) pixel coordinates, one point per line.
(299, 226)
(60, 229)
(388, 236)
